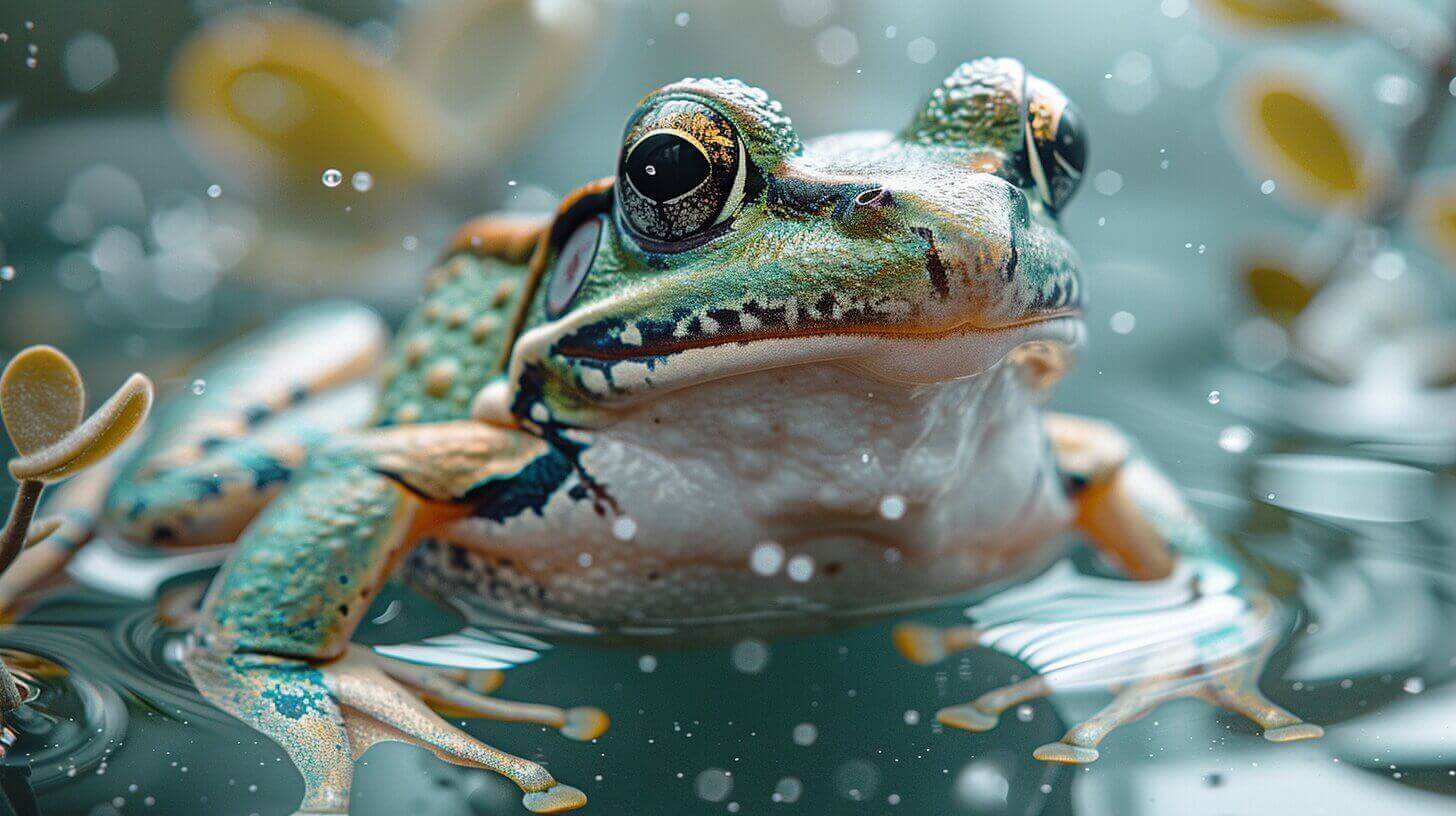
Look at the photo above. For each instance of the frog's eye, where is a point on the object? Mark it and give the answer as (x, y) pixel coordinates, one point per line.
(1056, 142)
(573, 263)
(683, 171)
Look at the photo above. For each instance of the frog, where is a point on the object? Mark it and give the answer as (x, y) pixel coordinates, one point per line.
(747, 383)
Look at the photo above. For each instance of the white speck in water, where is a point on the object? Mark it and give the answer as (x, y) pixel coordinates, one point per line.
(750, 656)
(1388, 265)
(1413, 685)
(805, 734)
(912, 717)
(1268, 186)
(624, 528)
(1236, 438)
(199, 386)
(801, 568)
(7, 273)
(647, 664)
(766, 558)
(332, 177)
(214, 191)
(1108, 182)
(892, 507)
(410, 243)
(714, 784)
(920, 50)
(362, 181)
(890, 32)
(1025, 713)
(1214, 397)
(1122, 322)
(788, 790)
(682, 19)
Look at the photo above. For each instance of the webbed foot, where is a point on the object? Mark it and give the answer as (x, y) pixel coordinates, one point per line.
(327, 714)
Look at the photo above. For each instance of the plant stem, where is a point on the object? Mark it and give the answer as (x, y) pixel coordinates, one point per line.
(16, 527)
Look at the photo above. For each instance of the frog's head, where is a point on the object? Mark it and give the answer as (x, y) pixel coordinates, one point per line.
(725, 245)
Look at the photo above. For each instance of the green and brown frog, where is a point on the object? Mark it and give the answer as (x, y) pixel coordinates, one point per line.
(747, 383)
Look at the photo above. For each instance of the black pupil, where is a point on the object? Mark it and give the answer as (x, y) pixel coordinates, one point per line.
(664, 166)
(1071, 145)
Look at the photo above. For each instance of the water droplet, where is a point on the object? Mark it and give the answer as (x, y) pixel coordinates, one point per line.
(1267, 187)
(912, 717)
(584, 559)
(1413, 685)
(30, 62)
(1122, 322)
(766, 558)
(362, 181)
(1108, 182)
(892, 507)
(682, 19)
(801, 568)
(410, 243)
(199, 386)
(1236, 438)
(788, 790)
(805, 734)
(647, 664)
(7, 273)
(1025, 713)
(920, 50)
(214, 191)
(890, 32)
(750, 656)
(1214, 397)
(624, 528)
(713, 785)
(332, 177)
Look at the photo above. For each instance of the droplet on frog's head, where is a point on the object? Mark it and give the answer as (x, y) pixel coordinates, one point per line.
(1214, 397)
(801, 568)
(766, 558)
(624, 528)
(332, 177)
(199, 386)
(362, 181)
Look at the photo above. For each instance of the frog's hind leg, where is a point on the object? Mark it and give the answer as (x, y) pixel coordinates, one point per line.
(1184, 627)
(452, 698)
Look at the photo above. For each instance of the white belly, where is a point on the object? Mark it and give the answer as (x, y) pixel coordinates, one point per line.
(791, 493)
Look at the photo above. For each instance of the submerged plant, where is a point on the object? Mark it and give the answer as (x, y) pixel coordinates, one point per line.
(43, 406)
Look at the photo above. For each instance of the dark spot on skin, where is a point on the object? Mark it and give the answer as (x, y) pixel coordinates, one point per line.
(934, 266)
(210, 443)
(832, 568)
(269, 471)
(298, 394)
(344, 610)
(344, 580)
(1010, 271)
(256, 414)
(163, 534)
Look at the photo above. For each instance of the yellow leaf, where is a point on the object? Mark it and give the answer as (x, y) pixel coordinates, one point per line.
(1293, 136)
(41, 398)
(1434, 215)
(1275, 13)
(93, 440)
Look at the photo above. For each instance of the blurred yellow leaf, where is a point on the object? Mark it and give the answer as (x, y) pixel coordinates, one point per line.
(41, 398)
(1293, 136)
(292, 95)
(92, 440)
(1276, 288)
(1433, 212)
(1275, 13)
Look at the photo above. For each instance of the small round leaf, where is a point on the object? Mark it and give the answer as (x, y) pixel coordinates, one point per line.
(41, 398)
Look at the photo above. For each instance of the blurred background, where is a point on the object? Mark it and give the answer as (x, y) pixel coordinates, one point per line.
(1267, 225)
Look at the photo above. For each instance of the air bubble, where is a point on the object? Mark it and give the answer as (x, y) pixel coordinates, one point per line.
(7, 273)
(624, 528)
(892, 507)
(199, 386)
(332, 177)
(214, 191)
(362, 181)
(1214, 397)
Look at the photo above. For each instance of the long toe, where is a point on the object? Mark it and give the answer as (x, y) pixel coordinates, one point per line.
(554, 799)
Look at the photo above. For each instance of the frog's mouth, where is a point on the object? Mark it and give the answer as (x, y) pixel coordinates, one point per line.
(905, 355)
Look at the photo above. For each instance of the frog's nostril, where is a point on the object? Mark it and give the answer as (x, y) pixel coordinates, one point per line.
(874, 197)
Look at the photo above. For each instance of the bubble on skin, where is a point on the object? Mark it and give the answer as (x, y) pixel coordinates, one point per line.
(801, 568)
(624, 528)
(1236, 438)
(788, 790)
(892, 507)
(766, 558)
(805, 734)
(1122, 322)
(750, 656)
(362, 181)
(920, 50)
(713, 785)
(647, 664)
(332, 177)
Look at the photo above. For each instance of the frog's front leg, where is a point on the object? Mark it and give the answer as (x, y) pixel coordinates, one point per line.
(273, 646)
(1196, 632)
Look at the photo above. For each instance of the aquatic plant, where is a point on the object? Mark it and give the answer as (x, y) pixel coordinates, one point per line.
(43, 406)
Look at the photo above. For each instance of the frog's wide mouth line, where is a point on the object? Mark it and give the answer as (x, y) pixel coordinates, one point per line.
(656, 351)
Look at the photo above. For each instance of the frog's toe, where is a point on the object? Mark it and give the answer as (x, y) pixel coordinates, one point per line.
(554, 799)
(968, 717)
(922, 644)
(1291, 733)
(585, 723)
(1065, 754)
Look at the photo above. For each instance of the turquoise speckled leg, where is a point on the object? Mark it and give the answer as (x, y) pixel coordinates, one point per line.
(273, 644)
